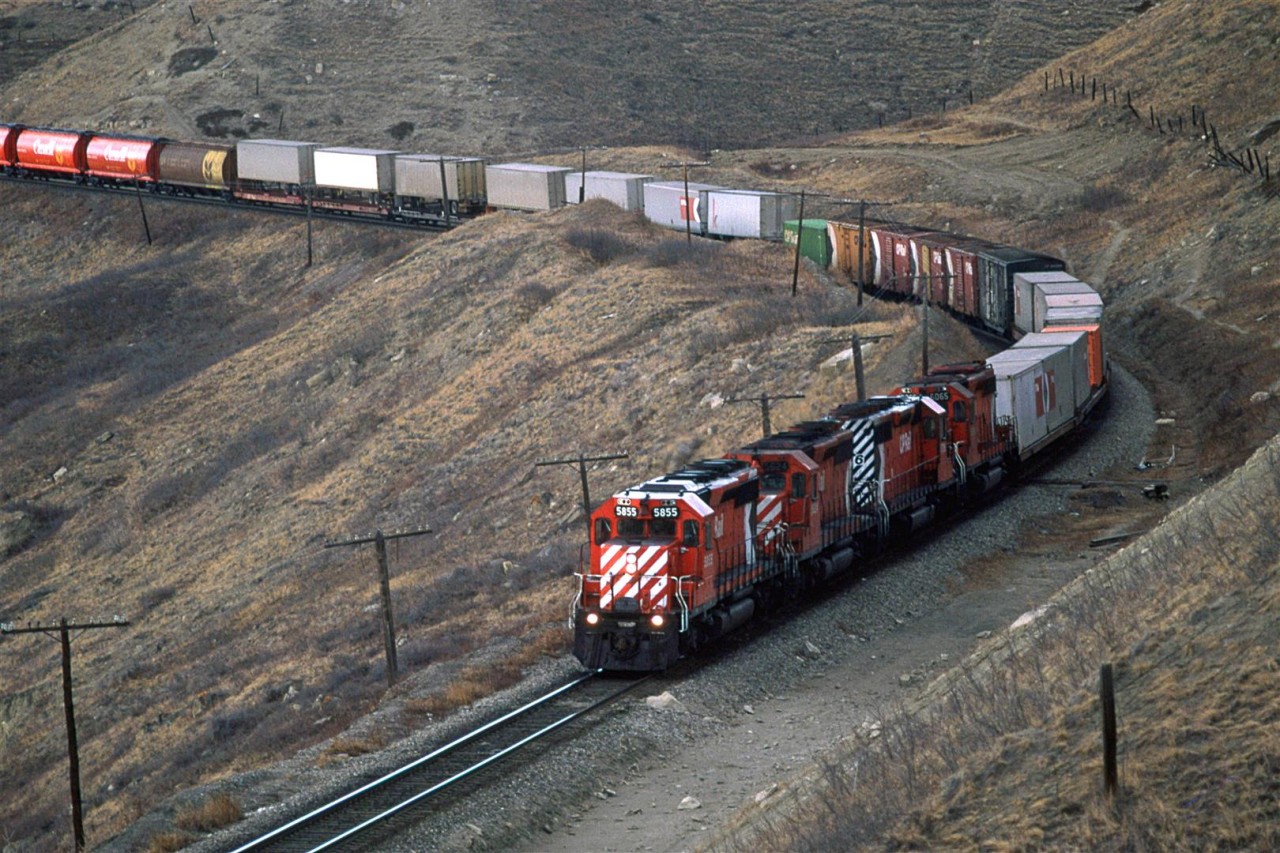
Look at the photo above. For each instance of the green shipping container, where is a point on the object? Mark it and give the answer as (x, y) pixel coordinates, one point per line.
(814, 245)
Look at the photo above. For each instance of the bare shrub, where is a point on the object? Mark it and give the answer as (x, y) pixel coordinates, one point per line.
(168, 842)
(214, 813)
(533, 295)
(602, 245)
(676, 252)
(356, 745)
(1099, 199)
(153, 598)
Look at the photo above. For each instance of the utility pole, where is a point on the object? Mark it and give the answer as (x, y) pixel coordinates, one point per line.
(862, 231)
(924, 341)
(690, 207)
(795, 271)
(581, 461)
(444, 193)
(308, 190)
(145, 227)
(379, 541)
(763, 400)
(859, 375)
(64, 629)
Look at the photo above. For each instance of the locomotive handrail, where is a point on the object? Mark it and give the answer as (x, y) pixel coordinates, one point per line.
(684, 605)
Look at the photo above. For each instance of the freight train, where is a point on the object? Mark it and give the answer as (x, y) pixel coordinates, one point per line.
(423, 189)
(684, 558)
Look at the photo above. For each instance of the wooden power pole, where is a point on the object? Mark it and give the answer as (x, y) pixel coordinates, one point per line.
(581, 462)
(379, 541)
(763, 400)
(64, 629)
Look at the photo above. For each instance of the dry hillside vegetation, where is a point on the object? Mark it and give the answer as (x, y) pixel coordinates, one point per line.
(219, 419)
(481, 76)
(1187, 617)
(184, 426)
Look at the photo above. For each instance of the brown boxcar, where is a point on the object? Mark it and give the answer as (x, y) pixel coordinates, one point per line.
(197, 164)
(122, 158)
(932, 275)
(895, 268)
(59, 151)
(847, 243)
(962, 285)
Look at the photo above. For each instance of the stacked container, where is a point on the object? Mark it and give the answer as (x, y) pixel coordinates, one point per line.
(525, 186)
(361, 170)
(276, 161)
(1077, 345)
(624, 189)
(748, 213)
(418, 177)
(666, 204)
(814, 242)
(1021, 398)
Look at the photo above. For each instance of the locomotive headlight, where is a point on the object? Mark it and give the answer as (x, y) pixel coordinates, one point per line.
(657, 620)
(592, 619)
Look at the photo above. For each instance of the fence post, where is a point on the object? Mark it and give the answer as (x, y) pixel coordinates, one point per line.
(1046, 81)
(1108, 696)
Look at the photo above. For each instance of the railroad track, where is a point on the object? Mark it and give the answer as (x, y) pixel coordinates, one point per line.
(354, 819)
(317, 212)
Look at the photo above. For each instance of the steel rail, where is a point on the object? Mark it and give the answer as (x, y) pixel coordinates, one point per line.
(475, 768)
(327, 812)
(234, 205)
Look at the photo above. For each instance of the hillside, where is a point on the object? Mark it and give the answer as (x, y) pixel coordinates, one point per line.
(486, 77)
(185, 425)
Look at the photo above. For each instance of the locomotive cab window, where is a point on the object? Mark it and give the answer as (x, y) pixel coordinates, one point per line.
(603, 530)
(960, 412)
(664, 528)
(798, 483)
(930, 427)
(773, 483)
(690, 539)
(631, 528)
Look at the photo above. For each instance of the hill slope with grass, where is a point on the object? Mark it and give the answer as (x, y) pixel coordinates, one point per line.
(185, 426)
(486, 77)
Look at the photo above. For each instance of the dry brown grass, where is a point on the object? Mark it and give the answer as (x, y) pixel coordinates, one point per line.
(168, 842)
(1187, 616)
(214, 813)
(257, 408)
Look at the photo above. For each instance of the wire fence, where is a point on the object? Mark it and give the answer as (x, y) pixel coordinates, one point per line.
(1248, 160)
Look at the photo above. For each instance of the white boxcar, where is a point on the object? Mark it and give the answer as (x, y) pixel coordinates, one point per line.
(1025, 287)
(624, 189)
(749, 213)
(525, 186)
(1077, 342)
(360, 169)
(418, 176)
(276, 161)
(1021, 398)
(666, 204)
